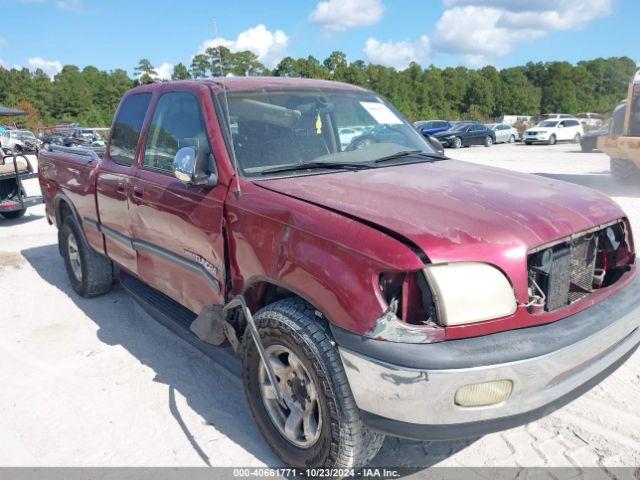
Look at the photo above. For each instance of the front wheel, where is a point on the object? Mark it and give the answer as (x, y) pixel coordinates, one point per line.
(90, 273)
(488, 141)
(553, 140)
(320, 425)
(512, 139)
(457, 142)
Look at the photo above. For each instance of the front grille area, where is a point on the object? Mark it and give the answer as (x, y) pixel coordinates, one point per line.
(570, 270)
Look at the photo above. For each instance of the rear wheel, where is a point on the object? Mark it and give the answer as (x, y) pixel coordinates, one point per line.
(553, 140)
(90, 273)
(624, 170)
(319, 425)
(488, 141)
(512, 139)
(576, 138)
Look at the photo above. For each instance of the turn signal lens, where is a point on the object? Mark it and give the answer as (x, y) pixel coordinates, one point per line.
(484, 394)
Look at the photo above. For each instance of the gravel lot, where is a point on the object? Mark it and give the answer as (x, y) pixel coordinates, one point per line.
(99, 383)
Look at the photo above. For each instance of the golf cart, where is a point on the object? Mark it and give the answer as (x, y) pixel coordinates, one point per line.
(14, 169)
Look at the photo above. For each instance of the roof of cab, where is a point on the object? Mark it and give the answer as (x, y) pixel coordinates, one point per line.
(256, 83)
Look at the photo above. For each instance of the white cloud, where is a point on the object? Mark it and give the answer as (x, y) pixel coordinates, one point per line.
(269, 47)
(397, 54)
(70, 5)
(484, 29)
(164, 71)
(339, 15)
(50, 67)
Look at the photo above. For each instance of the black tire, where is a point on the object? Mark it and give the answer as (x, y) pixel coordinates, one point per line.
(586, 148)
(96, 270)
(553, 140)
(457, 142)
(512, 139)
(344, 441)
(488, 141)
(576, 138)
(624, 170)
(15, 214)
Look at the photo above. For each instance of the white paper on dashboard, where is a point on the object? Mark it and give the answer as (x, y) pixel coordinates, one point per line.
(381, 113)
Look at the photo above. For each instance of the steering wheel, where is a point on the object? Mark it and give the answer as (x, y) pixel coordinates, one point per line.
(363, 141)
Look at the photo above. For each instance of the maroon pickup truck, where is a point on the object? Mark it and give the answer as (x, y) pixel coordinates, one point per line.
(370, 285)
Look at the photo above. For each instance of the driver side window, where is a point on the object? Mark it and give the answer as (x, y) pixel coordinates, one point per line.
(177, 122)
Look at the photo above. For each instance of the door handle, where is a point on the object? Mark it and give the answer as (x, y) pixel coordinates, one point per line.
(138, 192)
(120, 188)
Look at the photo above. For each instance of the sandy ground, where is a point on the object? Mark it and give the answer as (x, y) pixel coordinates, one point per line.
(99, 383)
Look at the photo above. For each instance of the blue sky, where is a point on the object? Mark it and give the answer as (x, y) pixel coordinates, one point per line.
(117, 33)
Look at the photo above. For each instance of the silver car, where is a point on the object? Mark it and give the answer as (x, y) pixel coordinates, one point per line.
(504, 133)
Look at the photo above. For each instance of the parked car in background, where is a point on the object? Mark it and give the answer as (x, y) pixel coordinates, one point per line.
(504, 133)
(465, 134)
(553, 131)
(433, 127)
(550, 116)
(589, 141)
(52, 139)
(19, 141)
(591, 120)
(513, 119)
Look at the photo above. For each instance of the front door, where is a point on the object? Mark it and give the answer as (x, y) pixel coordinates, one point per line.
(113, 185)
(178, 227)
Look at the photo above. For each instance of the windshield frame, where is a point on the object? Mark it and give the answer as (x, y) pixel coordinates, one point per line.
(219, 95)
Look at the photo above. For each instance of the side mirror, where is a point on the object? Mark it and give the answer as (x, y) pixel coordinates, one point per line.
(192, 167)
(435, 143)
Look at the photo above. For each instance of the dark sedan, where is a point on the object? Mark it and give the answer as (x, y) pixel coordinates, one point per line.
(466, 134)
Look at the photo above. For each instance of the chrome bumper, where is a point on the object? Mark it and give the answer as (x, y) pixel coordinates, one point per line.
(426, 397)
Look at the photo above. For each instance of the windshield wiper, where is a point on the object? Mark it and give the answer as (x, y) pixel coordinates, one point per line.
(315, 165)
(411, 153)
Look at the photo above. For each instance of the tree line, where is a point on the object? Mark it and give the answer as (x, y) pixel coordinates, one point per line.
(90, 96)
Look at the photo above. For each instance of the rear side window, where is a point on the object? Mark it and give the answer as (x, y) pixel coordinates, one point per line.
(127, 128)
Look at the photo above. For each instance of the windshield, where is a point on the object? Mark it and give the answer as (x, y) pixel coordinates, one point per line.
(273, 128)
(548, 123)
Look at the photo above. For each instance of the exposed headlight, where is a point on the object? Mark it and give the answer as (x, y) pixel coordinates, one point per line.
(468, 292)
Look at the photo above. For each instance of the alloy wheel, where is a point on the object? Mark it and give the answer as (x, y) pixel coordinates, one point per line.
(74, 257)
(300, 419)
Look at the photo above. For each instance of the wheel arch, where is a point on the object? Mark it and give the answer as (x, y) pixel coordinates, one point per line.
(262, 291)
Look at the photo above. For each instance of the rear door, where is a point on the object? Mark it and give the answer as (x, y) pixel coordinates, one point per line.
(113, 185)
(178, 227)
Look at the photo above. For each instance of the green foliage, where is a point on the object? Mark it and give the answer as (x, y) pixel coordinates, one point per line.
(90, 96)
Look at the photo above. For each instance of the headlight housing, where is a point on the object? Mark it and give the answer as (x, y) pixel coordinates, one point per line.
(469, 292)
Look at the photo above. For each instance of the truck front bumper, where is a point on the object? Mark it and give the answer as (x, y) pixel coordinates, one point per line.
(408, 390)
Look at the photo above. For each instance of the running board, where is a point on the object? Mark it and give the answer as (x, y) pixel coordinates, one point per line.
(178, 319)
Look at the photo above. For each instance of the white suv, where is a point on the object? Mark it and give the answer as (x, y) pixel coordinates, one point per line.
(553, 131)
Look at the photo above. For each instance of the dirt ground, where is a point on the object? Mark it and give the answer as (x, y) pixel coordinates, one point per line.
(99, 383)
